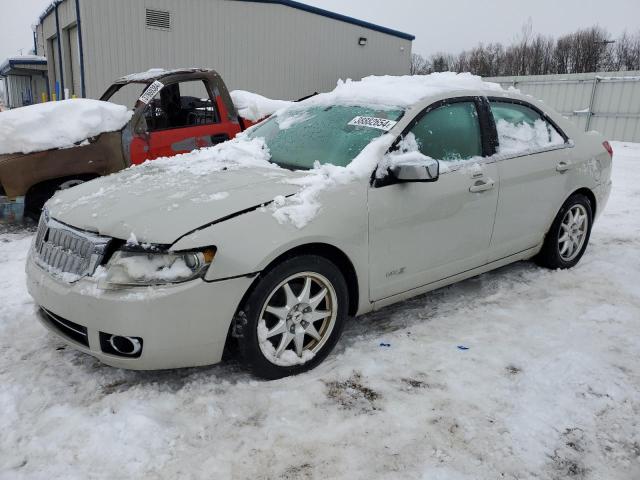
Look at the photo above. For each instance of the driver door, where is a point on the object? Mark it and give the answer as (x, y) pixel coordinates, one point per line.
(181, 118)
(420, 233)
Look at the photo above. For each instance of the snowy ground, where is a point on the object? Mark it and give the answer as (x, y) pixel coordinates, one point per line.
(549, 388)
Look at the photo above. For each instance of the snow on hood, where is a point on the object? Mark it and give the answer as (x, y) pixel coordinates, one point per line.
(166, 198)
(255, 107)
(400, 91)
(50, 125)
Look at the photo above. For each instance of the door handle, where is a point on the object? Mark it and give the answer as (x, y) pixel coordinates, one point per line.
(563, 167)
(482, 186)
(216, 139)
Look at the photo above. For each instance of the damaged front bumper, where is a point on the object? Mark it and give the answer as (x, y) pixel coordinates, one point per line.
(11, 210)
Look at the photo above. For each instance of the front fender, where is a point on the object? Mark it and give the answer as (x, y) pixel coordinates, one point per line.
(248, 243)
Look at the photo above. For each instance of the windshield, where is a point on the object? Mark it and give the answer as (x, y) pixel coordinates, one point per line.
(299, 137)
(126, 94)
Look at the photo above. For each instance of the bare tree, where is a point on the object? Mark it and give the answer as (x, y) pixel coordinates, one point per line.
(419, 65)
(586, 50)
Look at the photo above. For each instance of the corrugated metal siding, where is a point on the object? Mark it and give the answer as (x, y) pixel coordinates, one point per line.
(270, 49)
(607, 102)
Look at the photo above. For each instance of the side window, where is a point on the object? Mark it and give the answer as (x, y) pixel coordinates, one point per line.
(181, 105)
(450, 132)
(521, 129)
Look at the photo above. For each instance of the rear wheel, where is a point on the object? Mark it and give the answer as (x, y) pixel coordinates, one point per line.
(569, 234)
(293, 318)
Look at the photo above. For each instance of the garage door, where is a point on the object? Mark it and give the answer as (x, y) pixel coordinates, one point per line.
(74, 57)
(56, 66)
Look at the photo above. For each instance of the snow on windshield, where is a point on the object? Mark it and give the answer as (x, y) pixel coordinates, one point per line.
(60, 124)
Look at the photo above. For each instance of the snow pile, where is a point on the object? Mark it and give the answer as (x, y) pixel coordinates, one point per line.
(523, 137)
(235, 154)
(255, 107)
(400, 91)
(61, 124)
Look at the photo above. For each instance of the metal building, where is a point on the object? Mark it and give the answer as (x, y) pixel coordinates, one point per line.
(608, 102)
(24, 80)
(278, 48)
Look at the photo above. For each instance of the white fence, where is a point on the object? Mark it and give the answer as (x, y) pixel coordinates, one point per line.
(606, 102)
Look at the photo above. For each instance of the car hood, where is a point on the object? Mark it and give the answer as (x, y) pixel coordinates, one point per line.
(160, 201)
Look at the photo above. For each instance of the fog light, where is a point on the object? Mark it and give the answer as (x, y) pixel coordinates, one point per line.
(121, 346)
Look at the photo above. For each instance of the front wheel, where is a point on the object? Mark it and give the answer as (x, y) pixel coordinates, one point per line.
(293, 318)
(569, 234)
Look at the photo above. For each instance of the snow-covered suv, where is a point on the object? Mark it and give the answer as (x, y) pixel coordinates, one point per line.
(381, 190)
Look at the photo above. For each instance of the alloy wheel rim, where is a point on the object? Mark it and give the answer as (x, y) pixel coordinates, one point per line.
(573, 232)
(298, 317)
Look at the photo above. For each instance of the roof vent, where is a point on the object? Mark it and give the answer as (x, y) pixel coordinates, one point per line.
(158, 19)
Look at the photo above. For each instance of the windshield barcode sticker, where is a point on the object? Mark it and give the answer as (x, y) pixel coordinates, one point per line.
(373, 122)
(151, 92)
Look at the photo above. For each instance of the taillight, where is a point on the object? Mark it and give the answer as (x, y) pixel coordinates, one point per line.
(607, 147)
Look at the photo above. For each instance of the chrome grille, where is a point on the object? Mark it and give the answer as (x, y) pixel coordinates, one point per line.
(66, 252)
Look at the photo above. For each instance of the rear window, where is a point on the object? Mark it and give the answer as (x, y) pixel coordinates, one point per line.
(522, 129)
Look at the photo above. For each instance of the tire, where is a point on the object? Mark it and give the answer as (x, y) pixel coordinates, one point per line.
(42, 193)
(272, 317)
(557, 253)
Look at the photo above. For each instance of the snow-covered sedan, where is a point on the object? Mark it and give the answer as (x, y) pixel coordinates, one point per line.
(344, 203)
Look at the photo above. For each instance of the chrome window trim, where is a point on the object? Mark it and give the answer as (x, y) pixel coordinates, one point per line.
(500, 158)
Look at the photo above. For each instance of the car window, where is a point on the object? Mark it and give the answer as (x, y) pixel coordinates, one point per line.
(180, 105)
(522, 129)
(450, 132)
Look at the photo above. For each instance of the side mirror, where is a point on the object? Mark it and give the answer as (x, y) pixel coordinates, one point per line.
(427, 170)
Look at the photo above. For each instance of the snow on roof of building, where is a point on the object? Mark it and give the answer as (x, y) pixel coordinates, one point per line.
(13, 62)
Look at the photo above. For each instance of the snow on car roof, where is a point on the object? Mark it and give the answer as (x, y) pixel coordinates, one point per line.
(60, 124)
(154, 73)
(402, 91)
(255, 107)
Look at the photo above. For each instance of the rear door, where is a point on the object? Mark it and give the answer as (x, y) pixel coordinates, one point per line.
(533, 160)
(183, 117)
(424, 232)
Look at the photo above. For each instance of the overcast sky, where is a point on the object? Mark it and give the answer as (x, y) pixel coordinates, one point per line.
(442, 25)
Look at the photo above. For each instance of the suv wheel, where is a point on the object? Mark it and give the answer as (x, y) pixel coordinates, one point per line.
(569, 234)
(293, 318)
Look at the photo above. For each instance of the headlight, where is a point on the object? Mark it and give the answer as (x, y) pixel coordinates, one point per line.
(139, 269)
